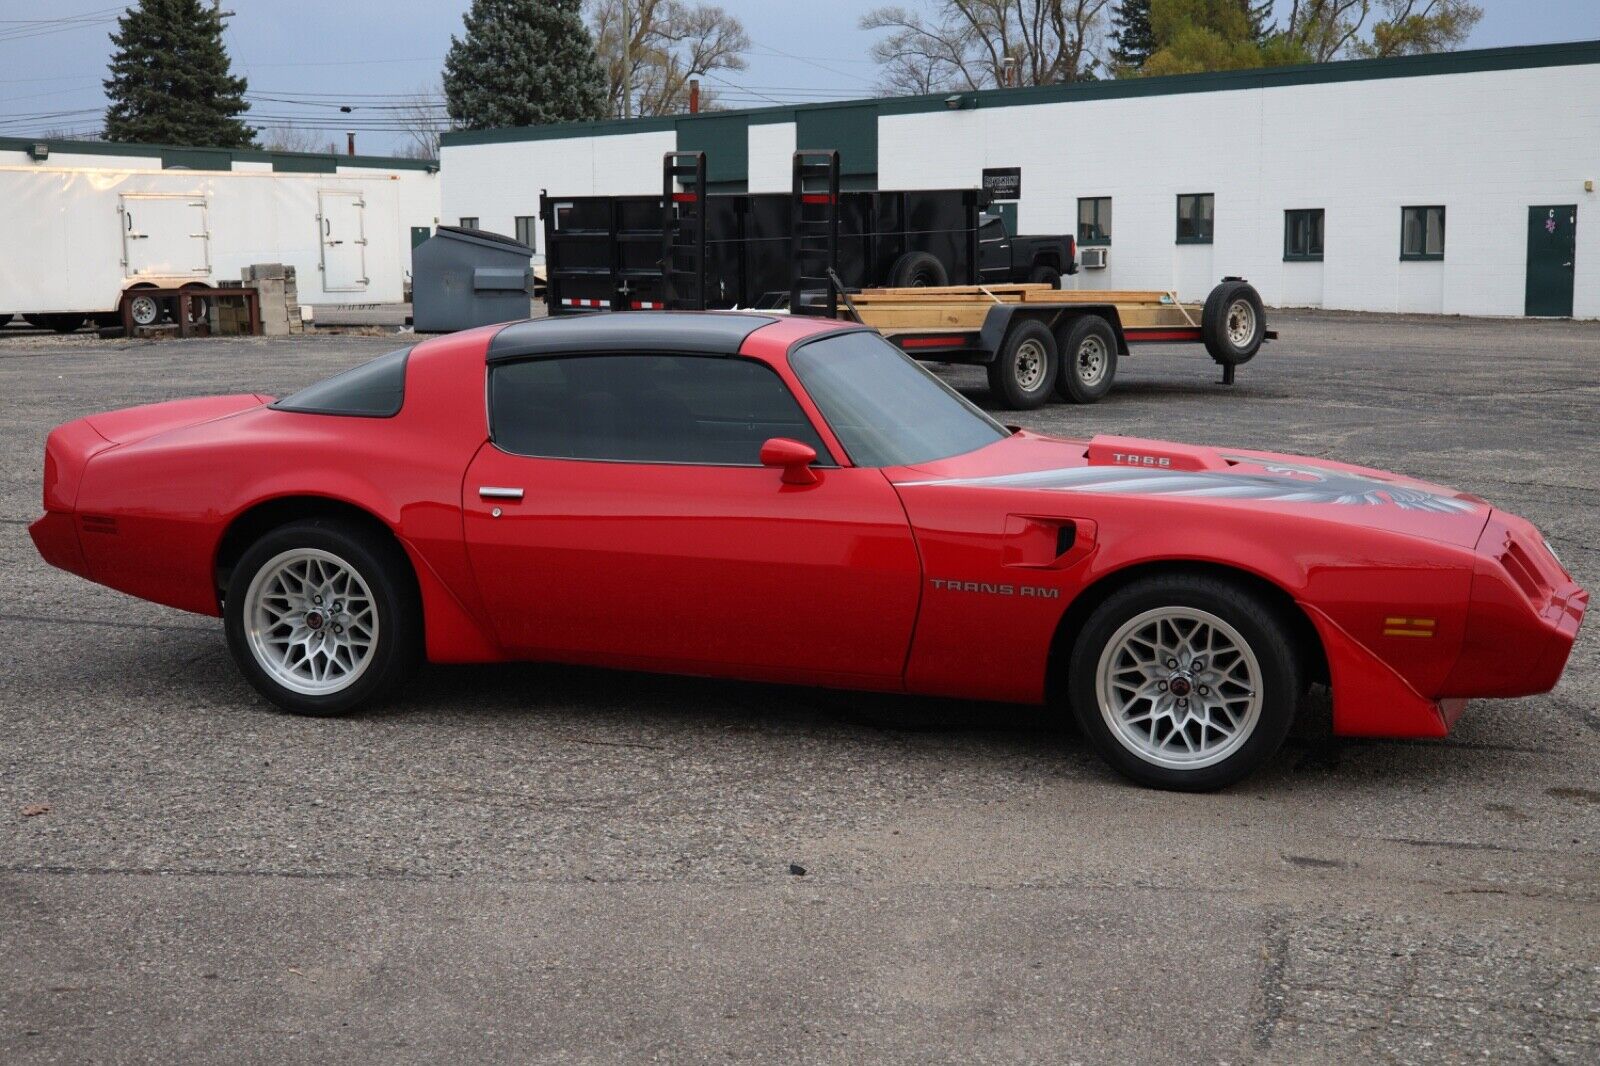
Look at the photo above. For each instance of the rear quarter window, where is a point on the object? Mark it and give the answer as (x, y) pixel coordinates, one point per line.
(375, 389)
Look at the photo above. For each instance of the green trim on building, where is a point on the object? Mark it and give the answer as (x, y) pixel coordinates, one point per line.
(1528, 57)
(219, 158)
(725, 139)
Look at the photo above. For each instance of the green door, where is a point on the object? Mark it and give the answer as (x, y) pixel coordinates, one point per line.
(420, 234)
(1552, 259)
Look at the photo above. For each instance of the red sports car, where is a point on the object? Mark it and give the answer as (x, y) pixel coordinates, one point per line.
(793, 500)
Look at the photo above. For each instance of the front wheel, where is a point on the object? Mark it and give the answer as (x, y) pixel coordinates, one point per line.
(1024, 370)
(322, 616)
(1184, 682)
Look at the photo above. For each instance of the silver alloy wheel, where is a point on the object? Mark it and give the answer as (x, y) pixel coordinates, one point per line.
(1241, 323)
(1031, 364)
(144, 310)
(310, 621)
(1091, 361)
(1179, 687)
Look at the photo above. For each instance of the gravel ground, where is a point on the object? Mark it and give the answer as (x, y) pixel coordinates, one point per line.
(549, 864)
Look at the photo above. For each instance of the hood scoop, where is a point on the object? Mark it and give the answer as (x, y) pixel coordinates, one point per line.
(1106, 450)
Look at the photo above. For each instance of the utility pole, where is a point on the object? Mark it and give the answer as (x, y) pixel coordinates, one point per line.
(627, 58)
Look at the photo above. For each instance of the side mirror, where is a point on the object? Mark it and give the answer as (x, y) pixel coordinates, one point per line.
(794, 457)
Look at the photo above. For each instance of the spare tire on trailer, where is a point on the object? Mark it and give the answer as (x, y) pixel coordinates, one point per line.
(1233, 323)
(918, 270)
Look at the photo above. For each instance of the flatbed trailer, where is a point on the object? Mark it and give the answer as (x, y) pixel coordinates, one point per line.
(1037, 340)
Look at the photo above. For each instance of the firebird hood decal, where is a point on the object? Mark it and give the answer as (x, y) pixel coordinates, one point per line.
(1285, 483)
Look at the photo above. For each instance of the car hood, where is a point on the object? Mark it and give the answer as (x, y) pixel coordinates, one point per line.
(1223, 477)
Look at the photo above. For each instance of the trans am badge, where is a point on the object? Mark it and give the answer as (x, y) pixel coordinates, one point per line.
(1282, 483)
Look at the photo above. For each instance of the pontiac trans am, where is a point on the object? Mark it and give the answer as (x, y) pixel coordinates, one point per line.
(792, 500)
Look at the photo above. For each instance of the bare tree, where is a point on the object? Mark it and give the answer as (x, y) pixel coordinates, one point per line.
(1331, 29)
(650, 50)
(422, 117)
(966, 44)
(296, 139)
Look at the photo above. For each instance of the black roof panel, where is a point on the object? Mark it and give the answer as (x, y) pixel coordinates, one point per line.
(703, 332)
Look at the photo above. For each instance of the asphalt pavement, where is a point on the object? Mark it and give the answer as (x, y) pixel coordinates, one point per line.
(534, 863)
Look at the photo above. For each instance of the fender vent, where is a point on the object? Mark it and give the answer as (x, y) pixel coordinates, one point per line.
(1521, 568)
(99, 523)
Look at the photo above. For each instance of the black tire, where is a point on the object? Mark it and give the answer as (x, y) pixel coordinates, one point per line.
(199, 308)
(1024, 371)
(1088, 359)
(1233, 307)
(1047, 274)
(918, 270)
(382, 565)
(60, 322)
(1253, 620)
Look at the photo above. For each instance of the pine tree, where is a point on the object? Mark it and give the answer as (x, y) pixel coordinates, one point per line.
(1263, 24)
(1134, 39)
(171, 80)
(523, 63)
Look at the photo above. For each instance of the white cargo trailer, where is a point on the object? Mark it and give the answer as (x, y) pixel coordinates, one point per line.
(78, 240)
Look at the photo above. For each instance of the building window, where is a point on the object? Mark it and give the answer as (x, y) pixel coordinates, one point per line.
(1195, 211)
(528, 230)
(1421, 233)
(1094, 220)
(1302, 235)
(469, 222)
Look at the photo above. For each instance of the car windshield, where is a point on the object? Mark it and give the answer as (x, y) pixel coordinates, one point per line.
(886, 409)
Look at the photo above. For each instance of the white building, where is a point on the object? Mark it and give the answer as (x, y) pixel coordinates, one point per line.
(1462, 183)
(84, 221)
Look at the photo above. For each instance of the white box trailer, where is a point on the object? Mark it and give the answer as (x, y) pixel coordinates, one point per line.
(75, 240)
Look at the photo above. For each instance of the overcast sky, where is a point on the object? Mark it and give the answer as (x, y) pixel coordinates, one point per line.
(328, 52)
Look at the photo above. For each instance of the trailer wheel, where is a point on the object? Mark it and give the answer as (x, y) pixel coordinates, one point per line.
(1233, 323)
(918, 270)
(199, 307)
(1046, 273)
(145, 310)
(1024, 371)
(1088, 360)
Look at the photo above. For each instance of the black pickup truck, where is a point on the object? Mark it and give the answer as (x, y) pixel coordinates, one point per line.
(1023, 258)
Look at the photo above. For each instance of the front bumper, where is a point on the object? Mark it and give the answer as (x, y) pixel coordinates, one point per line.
(56, 537)
(1523, 619)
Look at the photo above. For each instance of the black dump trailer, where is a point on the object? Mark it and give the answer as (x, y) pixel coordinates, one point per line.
(687, 249)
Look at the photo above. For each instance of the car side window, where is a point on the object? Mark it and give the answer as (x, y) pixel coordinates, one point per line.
(682, 409)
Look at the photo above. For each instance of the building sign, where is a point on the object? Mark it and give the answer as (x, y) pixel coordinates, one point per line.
(1003, 183)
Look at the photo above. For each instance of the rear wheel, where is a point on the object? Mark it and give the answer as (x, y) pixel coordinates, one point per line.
(322, 616)
(1233, 323)
(1088, 360)
(1043, 272)
(1184, 682)
(1024, 371)
(199, 306)
(918, 270)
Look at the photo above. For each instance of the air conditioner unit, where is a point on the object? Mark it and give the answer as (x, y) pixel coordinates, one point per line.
(1093, 258)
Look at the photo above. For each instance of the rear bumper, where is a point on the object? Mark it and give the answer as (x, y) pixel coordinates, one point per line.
(56, 537)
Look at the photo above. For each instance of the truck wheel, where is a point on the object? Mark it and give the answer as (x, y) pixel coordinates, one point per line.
(1184, 681)
(1088, 360)
(1233, 323)
(1024, 371)
(917, 270)
(1047, 274)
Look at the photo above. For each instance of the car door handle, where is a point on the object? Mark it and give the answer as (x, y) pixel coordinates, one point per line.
(496, 492)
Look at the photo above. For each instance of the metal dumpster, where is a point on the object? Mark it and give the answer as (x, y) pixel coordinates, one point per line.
(461, 278)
